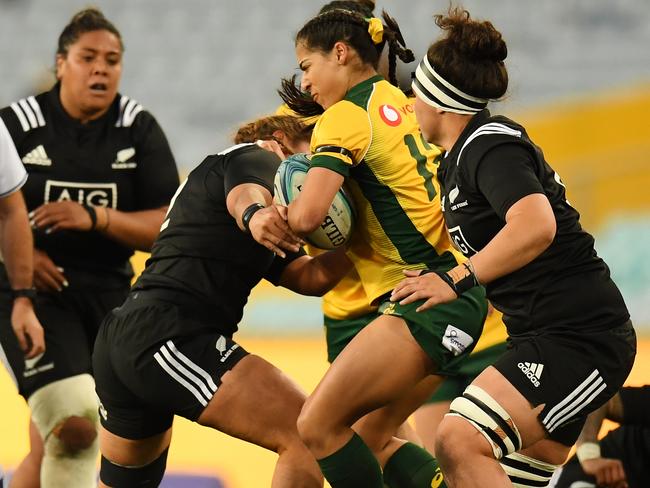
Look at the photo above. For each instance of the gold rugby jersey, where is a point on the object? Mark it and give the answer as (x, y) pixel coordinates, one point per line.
(494, 331)
(372, 138)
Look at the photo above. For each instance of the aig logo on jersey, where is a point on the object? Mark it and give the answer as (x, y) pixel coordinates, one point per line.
(96, 194)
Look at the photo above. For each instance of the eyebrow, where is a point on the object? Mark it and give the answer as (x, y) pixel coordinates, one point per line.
(95, 51)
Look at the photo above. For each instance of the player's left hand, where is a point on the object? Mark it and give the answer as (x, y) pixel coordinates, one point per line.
(60, 215)
(429, 287)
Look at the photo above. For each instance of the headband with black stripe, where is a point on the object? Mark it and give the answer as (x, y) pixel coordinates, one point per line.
(438, 92)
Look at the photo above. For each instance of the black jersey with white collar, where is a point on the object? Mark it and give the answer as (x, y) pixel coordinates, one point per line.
(202, 261)
(121, 160)
(493, 165)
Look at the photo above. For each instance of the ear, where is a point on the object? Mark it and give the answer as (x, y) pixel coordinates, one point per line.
(342, 52)
(60, 65)
(279, 136)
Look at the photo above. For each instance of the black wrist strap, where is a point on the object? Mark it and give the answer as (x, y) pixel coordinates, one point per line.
(446, 278)
(247, 215)
(461, 286)
(24, 292)
(93, 216)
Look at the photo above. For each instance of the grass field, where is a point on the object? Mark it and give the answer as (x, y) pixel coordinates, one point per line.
(200, 450)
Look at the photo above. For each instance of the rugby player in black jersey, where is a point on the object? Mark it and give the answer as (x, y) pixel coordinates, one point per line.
(169, 348)
(100, 176)
(620, 458)
(571, 342)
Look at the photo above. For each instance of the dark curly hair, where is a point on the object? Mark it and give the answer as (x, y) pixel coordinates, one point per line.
(470, 55)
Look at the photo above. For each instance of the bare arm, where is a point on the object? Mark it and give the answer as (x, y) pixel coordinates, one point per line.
(268, 226)
(529, 230)
(136, 230)
(309, 209)
(17, 250)
(17, 241)
(316, 276)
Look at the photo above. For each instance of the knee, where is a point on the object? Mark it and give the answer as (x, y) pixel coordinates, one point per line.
(308, 426)
(451, 442)
(76, 434)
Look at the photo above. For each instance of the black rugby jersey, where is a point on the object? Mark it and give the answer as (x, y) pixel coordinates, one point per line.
(492, 166)
(121, 160)
(202, 260)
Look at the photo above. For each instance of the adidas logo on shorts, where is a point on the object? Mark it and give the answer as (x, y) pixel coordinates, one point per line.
(533, 372)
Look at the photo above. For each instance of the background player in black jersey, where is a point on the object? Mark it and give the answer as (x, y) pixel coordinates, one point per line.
(100, 175)
(571, 342)
(619, 459)
(169, 349)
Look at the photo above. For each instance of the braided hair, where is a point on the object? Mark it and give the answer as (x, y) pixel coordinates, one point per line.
(328, 28)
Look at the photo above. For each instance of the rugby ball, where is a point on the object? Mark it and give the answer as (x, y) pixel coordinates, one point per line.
(337, 227)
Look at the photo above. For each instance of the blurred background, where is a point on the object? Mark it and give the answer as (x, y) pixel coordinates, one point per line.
(579, 81)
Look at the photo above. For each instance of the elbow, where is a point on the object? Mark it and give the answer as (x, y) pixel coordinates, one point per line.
(305, 222)
(317, 290)
(545, 235)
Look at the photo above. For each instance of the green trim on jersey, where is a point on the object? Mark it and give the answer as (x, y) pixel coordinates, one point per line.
(360, 93)
(411, 245)
(330, 162)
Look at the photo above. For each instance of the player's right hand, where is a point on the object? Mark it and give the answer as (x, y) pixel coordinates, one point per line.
(47, 275)
(27, 328)
(269, 227)
(608, 472)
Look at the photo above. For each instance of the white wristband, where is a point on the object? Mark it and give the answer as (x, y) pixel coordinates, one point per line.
(588, 450)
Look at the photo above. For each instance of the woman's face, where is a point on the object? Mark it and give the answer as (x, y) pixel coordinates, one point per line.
(90, 73)
(428, 119)
(324, 76)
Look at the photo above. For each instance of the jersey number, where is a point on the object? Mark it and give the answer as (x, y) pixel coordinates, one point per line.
(421, 163)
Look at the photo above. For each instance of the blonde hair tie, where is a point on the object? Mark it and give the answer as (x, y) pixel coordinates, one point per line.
(375, 29)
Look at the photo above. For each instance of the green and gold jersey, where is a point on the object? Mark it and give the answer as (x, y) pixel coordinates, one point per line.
(372, 138)
(494, 331)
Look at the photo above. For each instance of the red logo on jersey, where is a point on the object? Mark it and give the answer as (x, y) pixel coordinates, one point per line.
(390, 115)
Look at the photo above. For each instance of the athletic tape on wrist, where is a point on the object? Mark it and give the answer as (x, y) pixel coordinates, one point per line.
(588, 450)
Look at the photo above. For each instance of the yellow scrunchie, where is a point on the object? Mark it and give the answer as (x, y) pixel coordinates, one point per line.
(376, 29)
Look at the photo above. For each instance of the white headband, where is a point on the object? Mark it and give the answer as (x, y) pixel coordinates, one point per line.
(438, 92)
